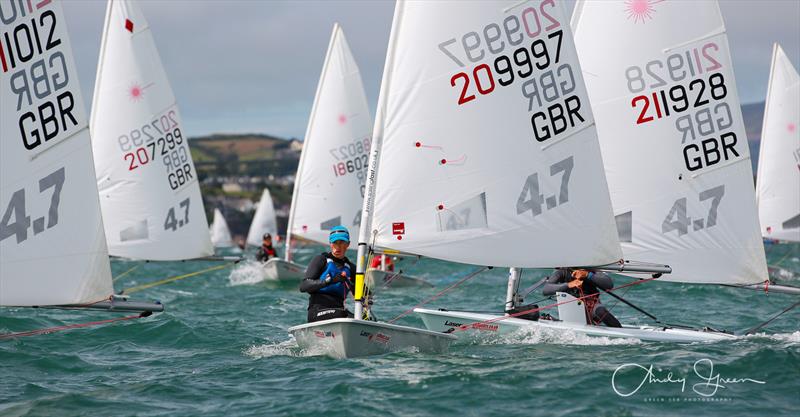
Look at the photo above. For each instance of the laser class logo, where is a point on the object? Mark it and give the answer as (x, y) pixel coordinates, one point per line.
(640, 10)
(136, 91)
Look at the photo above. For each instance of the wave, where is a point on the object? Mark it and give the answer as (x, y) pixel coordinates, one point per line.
(247, 273)
(285, 348)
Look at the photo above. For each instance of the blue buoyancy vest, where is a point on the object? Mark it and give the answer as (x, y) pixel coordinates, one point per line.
(333, 270)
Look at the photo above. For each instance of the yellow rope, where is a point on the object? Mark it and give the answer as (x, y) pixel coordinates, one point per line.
(125, 273)
(175, 278)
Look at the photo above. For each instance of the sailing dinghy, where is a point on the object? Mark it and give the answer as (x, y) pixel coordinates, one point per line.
(149, 191)
(264, 220)
(52, 239)
(675, 153)
(220, 233)
(329, 186)
(778, 179)
(403, 179)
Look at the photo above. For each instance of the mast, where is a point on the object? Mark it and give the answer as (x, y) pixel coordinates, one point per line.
(365, 229)
(512, 293)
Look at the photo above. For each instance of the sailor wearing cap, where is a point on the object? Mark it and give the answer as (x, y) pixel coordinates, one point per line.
(328, 279)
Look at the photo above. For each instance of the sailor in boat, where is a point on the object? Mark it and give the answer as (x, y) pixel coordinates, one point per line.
(581, 283)
(266, 251)
(328, 279)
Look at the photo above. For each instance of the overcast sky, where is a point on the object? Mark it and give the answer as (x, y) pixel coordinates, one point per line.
(253, 65)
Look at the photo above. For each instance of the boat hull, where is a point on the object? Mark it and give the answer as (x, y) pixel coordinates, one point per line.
(395, 280)
(443, 321)
(279, 270)
(350, 338)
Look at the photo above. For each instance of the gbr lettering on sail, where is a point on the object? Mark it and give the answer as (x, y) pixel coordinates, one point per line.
(41, 107)
(688, 89)
(524, 53)
(35, 70)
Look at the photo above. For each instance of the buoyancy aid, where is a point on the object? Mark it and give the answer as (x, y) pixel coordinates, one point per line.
(333, 270)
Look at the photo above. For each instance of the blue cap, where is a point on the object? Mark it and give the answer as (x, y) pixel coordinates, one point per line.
(339, 233)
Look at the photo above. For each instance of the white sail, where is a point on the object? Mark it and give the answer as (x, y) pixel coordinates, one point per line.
(672, 135)
(263, 221)
(149, 191)
(329, 187)
(220, 233)
(778, 180)
(52, 248)
(485, 141)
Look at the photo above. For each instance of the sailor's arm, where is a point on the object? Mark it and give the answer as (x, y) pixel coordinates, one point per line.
(555, 283)
(601, 280)
(311, 283)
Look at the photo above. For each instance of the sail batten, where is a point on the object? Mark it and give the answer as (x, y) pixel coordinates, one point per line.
(672, 137)
(464, 169)
(148, 184)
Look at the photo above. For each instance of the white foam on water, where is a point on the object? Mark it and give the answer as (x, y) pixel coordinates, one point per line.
(539, 335)
(247, 273)
(791, 338)
(284, 348)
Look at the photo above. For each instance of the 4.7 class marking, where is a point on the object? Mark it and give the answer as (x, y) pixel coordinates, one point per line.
(171, 222)
(531, 200)
(682, 221)
(18, 210)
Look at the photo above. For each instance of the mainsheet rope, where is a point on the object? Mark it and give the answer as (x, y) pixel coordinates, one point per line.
(72, 326)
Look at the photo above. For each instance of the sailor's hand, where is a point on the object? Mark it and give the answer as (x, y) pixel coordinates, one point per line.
(575, 283)
(580, 274)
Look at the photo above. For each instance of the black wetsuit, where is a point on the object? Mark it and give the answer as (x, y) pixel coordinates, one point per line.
(324, 305)
(265, 253)
(558, 282)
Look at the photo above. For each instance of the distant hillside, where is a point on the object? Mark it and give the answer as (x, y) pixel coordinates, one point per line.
(244, 154)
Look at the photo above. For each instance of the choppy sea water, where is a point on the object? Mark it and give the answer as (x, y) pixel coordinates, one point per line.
(221, 349)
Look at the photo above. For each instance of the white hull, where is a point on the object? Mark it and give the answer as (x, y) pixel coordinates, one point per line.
(350, 338)
(443, 321)
(279, 270)
(391, 279)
